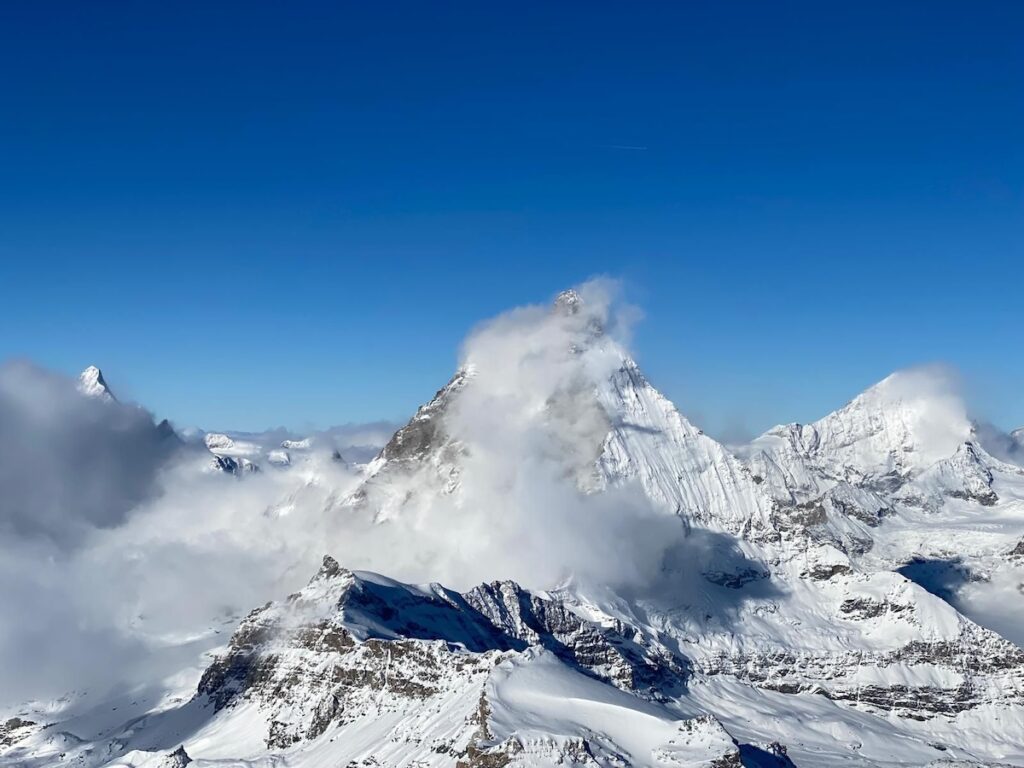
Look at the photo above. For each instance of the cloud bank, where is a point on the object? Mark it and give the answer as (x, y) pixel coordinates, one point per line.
(115, 541)
(68, 463)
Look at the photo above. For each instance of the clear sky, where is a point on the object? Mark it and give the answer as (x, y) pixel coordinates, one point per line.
(291, 213)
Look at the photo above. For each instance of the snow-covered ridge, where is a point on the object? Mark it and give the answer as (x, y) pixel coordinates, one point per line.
(680, 468)
(356, 665)
(479, 678)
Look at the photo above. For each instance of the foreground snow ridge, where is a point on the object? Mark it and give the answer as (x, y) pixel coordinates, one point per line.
(846, 592)
(359, 669)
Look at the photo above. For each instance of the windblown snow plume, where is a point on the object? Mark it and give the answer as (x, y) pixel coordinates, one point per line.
(532, 428)
(927, 407)
(516, 444)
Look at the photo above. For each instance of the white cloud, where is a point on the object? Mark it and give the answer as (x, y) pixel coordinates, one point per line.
(154, 549)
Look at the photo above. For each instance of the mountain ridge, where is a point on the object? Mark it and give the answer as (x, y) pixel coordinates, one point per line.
(815, 597)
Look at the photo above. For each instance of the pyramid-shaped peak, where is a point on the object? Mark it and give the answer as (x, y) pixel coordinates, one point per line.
(92, 384)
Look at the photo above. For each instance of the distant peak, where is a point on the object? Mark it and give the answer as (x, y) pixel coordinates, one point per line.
(92, 384)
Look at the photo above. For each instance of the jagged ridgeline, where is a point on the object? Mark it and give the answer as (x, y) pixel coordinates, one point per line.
(813, 607)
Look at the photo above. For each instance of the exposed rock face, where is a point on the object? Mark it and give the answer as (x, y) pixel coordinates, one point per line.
(321, 658)
(14, 730)
(860, 608)
(422, 449)
(315, 659)
(983, 666)
(425, 432)
(647, 442)
(618, 654)
(736, 579)
(177, 759)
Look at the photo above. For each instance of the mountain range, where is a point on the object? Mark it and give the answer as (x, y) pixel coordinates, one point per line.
(630, 591)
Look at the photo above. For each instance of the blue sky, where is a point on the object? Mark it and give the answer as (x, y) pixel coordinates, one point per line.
(257, 214)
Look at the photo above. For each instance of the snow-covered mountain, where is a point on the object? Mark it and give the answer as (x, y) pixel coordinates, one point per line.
(606, 426)
(92, 384)
(839, 592)
(903, 437)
